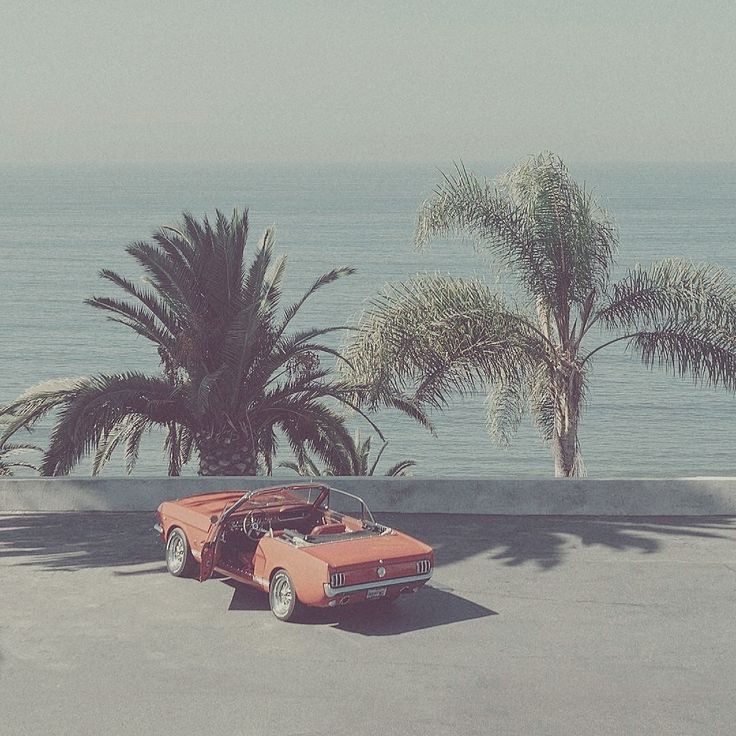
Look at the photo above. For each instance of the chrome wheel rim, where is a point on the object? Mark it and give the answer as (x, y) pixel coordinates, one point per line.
(176, 552)
(281, 596)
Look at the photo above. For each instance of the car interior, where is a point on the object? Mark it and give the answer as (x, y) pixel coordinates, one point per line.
(299, 525)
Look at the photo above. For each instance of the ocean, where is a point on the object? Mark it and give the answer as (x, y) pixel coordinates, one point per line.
(60, 225)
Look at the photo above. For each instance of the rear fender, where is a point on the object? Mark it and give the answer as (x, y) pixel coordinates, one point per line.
(307, 573)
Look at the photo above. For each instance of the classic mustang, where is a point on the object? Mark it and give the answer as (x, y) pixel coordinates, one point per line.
(305, 544)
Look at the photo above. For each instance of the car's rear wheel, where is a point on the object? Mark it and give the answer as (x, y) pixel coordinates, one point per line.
(282, 597)
(179, 560)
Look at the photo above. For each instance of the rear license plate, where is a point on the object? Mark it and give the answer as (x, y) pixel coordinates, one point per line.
(375, 593)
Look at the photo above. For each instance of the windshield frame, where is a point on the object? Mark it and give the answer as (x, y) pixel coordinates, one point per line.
(366, 514)
(323, 495)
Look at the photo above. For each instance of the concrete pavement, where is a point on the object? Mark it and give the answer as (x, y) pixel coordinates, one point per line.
(531, 625)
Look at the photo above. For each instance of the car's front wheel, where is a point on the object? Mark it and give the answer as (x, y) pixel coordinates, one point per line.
(282, 597)
(179, 560)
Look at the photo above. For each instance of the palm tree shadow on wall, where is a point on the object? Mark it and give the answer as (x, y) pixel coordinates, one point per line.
(91, 540)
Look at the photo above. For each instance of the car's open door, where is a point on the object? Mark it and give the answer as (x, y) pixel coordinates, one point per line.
(210, 550)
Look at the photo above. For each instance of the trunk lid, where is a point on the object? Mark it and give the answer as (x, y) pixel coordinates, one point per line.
(368, 550)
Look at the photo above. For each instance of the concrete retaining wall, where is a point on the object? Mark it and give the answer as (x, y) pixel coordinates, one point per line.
(616, 497)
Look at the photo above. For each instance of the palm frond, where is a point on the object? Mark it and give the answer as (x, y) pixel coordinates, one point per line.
(434, 335)
(148, 298)
(542, 403)
(35, 403)
(549, 232)
(128, 432)
(408, 406)
(267, 363)
(325, 279)
(506, 403)
(8, 463)
(177, 445)
(312, 428)
(400, 468)
(671, 290)
(175, 284)
(308, 468)
(97, 408)
(705, 353)
(135, 318)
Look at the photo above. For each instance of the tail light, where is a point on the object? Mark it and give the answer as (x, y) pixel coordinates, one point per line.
(423, 567)
(337, 579)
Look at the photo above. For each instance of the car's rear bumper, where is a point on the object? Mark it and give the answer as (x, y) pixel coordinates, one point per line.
(392, 583)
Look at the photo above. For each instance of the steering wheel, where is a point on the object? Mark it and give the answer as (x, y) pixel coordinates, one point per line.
(252, 527)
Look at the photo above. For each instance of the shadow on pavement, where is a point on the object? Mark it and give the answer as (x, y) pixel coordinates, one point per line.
(147, 571)
(71, 541)
(428, 608)
(74, 541)
(547, 540)
(246, 598)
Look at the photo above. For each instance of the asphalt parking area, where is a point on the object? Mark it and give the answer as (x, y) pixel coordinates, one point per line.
(530, 625)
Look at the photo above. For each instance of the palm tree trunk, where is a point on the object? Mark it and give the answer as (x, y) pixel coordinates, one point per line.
(226, 452)
(565, 446)
(568, 397)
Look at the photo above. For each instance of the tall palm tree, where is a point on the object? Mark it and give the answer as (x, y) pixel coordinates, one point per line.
(351, 460)
(437, 334)
(232, 372)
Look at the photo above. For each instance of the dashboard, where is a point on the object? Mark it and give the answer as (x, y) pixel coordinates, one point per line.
(276, 518)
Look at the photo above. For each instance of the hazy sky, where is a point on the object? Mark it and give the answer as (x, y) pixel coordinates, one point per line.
(186, 81)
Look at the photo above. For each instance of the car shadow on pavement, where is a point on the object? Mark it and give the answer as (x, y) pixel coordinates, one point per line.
(429, 607)
(246, 598)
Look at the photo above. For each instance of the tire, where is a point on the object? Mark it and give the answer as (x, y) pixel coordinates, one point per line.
(179, 560)
(282, 597)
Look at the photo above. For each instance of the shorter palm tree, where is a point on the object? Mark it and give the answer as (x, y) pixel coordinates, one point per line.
(351, 460)
(231, 371)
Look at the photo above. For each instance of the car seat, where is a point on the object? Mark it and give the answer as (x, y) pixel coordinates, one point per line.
(321, 529)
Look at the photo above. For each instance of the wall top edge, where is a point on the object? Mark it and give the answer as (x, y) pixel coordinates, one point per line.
(271, 480)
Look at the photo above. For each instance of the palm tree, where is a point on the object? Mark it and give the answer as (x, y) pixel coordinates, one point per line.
(351, 460)
(232, 372)
(437, 334)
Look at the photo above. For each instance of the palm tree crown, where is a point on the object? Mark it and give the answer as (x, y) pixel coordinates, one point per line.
(437, 334)
(232, 371)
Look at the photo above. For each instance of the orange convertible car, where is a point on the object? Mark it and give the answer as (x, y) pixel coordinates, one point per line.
(305, 544)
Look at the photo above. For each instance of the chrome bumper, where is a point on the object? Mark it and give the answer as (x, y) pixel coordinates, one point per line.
(158, 528)
(331, 592)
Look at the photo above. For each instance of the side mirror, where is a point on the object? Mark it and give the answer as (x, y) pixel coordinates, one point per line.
(214, 519)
